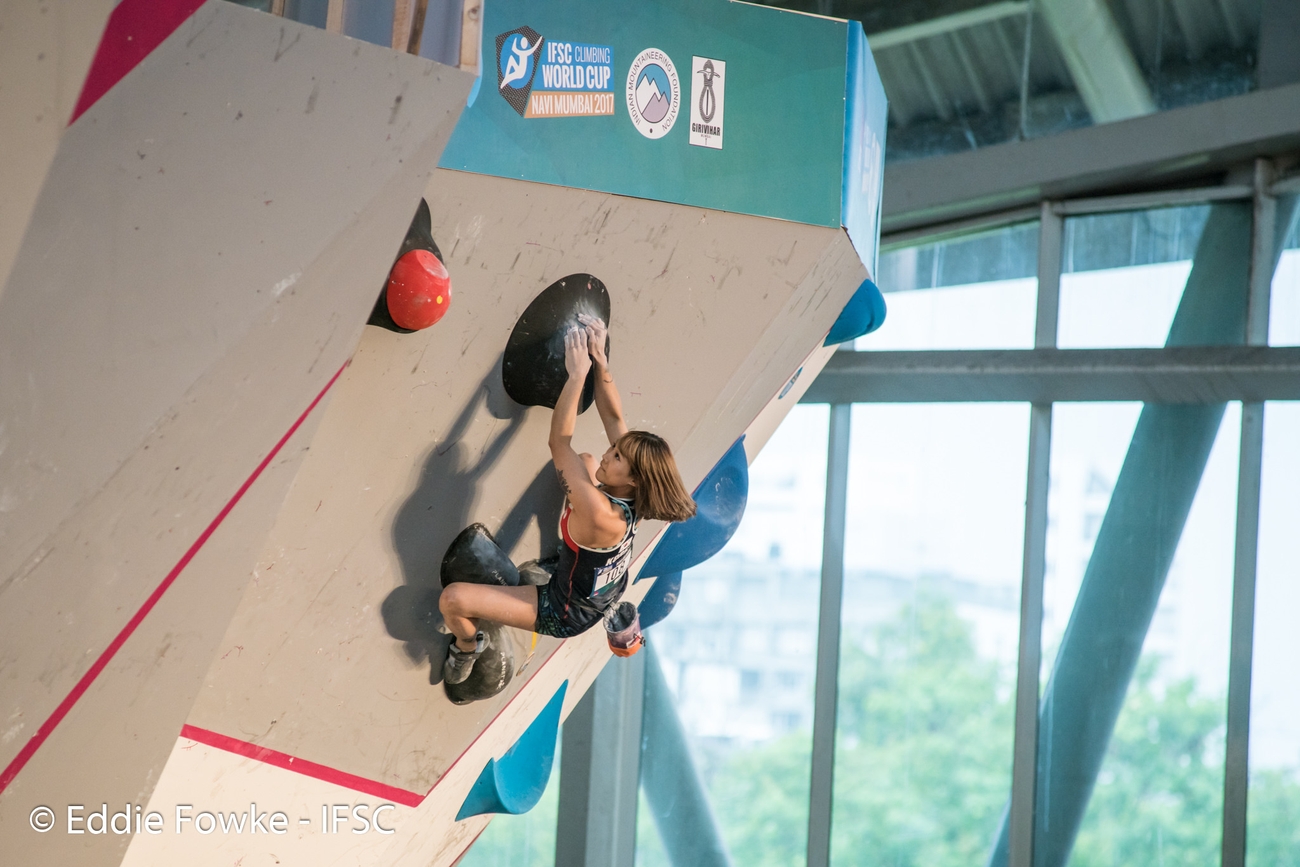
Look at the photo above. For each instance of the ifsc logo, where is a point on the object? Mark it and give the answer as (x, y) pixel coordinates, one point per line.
(654, 95)
(517, 56)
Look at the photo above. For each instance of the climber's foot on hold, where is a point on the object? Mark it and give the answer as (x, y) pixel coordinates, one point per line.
(485, 671)
(459, 662)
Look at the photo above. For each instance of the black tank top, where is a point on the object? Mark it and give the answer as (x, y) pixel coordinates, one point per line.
(592, 578)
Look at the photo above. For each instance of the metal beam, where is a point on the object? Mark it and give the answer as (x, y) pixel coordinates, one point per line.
(1105, 74)
(1172, 198)
(934, 233)
(946, 24)
(826, 691)
(1153, 151)
(1024, 761)
(600, 762)
(1154, 199)
(1189, 374)
(1051, 234)
(1241, 651)
(1236, 766)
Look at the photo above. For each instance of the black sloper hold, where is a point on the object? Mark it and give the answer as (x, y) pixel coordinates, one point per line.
(492, 671)
(533, 366)
(475, 558)
(418, 237)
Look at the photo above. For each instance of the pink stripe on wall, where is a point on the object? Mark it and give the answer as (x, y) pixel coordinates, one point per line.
(47, 728)
(278, 759)
(135, 28)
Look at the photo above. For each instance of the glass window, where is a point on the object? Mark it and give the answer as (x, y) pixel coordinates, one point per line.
(739, 654)
(976, 292)
(1273, 830)
(509, 841)
(1121, 483)
(371, 20)
(313, 12)
(1284, 312)
(1122, 275)
(930, 632)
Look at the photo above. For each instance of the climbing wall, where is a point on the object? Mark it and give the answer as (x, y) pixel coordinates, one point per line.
(331, 662)
(222, 516)
(200, 248)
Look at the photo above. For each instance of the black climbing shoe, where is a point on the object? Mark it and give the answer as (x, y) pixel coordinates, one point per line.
(461, 662)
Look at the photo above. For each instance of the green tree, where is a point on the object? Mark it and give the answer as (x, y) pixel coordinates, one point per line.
(1159, 796)
(1273, 825)
(923, 767)
(923, 762)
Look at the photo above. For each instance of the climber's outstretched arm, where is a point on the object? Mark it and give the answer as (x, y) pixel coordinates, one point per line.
(575, 476)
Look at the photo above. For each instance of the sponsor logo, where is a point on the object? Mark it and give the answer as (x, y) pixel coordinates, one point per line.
(517, 65)
(708, 92)
(654, 94)
(572, 79)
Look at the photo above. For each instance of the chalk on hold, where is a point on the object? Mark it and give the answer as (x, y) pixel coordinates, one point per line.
(420, 281)
(719, 505)
(474, 557)
(491, 672)
(864, 313)
(533, 367)
(515, 782)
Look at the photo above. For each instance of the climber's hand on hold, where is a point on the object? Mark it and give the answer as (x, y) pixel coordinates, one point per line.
(597, 337)
(577, 360)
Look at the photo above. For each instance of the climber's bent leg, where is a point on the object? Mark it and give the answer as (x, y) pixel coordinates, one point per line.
(462, 604)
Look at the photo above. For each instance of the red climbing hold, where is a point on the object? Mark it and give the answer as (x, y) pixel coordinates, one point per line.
(419, 290)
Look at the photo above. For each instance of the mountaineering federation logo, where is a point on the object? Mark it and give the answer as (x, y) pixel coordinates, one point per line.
(653, 93)
(517, 65)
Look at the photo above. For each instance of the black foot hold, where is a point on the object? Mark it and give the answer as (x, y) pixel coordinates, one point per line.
(492, 671)
(533, 367)
(475, 557)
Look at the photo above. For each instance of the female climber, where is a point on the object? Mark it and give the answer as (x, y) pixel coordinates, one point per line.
(636, 478)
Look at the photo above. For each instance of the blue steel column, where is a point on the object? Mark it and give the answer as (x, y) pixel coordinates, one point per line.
(672, 786)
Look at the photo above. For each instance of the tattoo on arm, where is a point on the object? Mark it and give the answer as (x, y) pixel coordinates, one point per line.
(563, 482)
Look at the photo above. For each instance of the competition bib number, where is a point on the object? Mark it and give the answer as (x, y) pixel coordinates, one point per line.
(608, 577)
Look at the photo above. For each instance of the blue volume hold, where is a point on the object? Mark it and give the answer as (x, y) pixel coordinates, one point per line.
(659, 602)
(864, 313)
(719, 506)
(515, 782)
